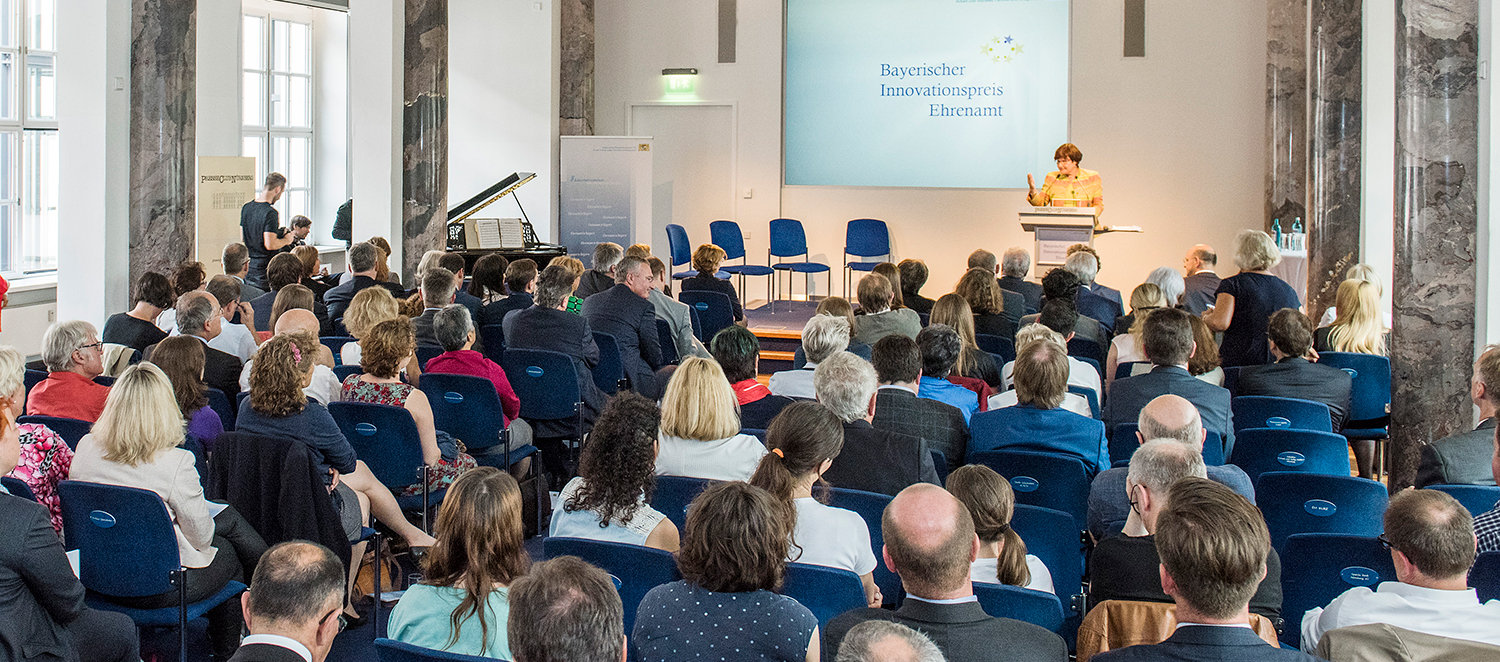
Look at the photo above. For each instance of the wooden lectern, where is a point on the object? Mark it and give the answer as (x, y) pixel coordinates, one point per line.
(1057, 228)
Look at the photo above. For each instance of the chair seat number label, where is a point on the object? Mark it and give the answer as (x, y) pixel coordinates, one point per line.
(1025, 483)
(1320, 508)
(1291, 458)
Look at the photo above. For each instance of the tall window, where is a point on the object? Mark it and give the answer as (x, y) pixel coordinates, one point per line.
(28, 136)
(278, 107)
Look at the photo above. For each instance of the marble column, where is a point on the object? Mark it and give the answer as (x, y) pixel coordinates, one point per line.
(576, 78)
(1334, 92)
(163, 108)
(424, 187)
(1437, 159)
(1286, 112)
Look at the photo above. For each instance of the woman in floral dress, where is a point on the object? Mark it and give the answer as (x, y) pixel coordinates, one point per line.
(45, 457)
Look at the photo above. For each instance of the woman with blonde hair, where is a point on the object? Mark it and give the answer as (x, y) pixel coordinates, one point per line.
(371, 306)
(1126, 347)
(953, 310)
(700, 427)
(462, 604)
(1366, 273)
(382, 265)
(982, 291)
(135, 443)
(1357, 326)
(1002, 553)
(1246, 301)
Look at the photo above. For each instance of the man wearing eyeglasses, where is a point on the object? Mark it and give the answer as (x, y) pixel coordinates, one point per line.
(74, 357)
(292, 607)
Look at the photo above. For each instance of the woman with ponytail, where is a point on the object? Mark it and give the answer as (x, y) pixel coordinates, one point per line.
(804, 439)
(1002, 553)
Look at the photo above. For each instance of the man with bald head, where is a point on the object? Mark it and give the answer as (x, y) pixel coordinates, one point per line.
(325, 385)
(1200, 279)
(929, 543)
(1166, 417)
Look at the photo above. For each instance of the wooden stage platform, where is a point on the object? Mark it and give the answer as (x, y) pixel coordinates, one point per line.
(779, 330)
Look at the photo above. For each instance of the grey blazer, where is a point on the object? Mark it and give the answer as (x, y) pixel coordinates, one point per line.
(680, 321)
(1460, 459)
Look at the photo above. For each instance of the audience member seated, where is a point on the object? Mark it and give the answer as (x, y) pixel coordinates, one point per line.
(42, 600)
(1126, 346)
(364, 313)
(1060, 314)
(1431, 538)
(437, 291)
(1060, 287)
(898, 367)
(455, 263)
(608, 500)
(1037, 420)
(879, 319)
(547, 326)
(366, 260)
(1211, 558)
(235, 339)
(1461, 459)
(313, 271)
(884, 641)
(574, 267)
(940, 346)
(913, 277)
(706, 260)
(1091, 283)
(286, 270)
(325, 386)
(823, 336)
(487, 283)
(44, 457)
(1366, 274)
(520, 281)
(700, 430)
(733, 557)
(1014, 265)
(199, 316)
(189, 276)
(1124, 566)
(1171, 283)
(1357, 327)
(872, 460)
(738, 352)
(1011, 304)
(1294, 376)
(953, 311)
(625, 312)
(182, 358)
(1202, 284)
(893, 275)
(386, 348)
(456, 333)
(565, 610)
(74, 356)
(804, 441)
(460, 606)
(236, 260)
(837, 307)
(602, 276)
(291, 297)
(1246, 300)
(1166, 417)
(1091, 299)
(1168, 342)
(137, 328)
(1487, 524)
(136, 443)
(291, 607)
(1204, 363)
(1002, 553)
(986, 300)
(930, 543)
(676, 313)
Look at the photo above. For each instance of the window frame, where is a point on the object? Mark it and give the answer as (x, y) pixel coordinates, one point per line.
(267, 132)
(25, 133)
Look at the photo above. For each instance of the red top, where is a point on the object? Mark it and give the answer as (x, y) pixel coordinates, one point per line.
(749, 391)
(67, 395)
(470, 362)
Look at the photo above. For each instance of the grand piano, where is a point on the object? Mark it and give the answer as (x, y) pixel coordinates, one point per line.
(530, 247)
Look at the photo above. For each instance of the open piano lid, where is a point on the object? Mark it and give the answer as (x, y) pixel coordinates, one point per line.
(471, 206)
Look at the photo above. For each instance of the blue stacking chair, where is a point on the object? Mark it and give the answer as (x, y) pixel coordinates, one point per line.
(1123, 442)
(1295, 502)
(826, 592)
(1023, 604)
(386, 439)
(636, 568)
(1478, 499)
(664, 338)
(789, 240)
(493, 336)
(344, 371)
(1484, 577)
(547, 384)
(223, 406)
(1085, 349)
(1127, 369)
(1088, 394)
(1260, 450)
(427, 353)
(1053, 536)
(128, 549)
(34, 377)
(468, 408)
(1059, 482)
(610, 370)
(1264, 411)
(865, 238)
(727, 236)
(71, 430)
(715, 312)
(682, 252)
(390, 650)
(1318, 567)
(335, 344)
(1370, 399)
(1005, 348)
(673, 494)
(870, 506)
(17, 487)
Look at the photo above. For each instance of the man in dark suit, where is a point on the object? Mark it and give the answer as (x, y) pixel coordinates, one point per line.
(1014, 302)
(292, 607)
(364, 259)
(625, 312)
(1167, 341)
(520, 279)
(913, 277)
(1292, 375)
(1013, 267)
(1093, 300)
(602, 277)
(285, 269)
(898, 367)
(929, 543)
(1213, 546)
(1202, 284)
(872, 460)
(437, 291)
(198, 315)
(1463, 458)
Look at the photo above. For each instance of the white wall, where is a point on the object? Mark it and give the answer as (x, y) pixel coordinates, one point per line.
(376, 33)
(1178, 135)
(1378, 160)
(331, 108)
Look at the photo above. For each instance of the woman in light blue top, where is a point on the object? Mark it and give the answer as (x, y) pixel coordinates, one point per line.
(607, 501)
(462, 604)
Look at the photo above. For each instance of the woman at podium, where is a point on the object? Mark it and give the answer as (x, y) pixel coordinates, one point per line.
(1070, 185)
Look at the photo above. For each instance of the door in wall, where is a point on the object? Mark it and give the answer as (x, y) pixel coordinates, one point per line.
(692, 167)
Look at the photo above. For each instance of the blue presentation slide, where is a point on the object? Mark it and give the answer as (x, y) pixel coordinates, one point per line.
(929, 93)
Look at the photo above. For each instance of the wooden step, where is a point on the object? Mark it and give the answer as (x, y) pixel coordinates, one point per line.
(778, 356)
(777, 334)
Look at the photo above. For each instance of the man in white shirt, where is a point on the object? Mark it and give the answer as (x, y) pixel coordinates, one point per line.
(293, 604)
(822, 337)
(236, 339)
(325, 386)
(1432, 544)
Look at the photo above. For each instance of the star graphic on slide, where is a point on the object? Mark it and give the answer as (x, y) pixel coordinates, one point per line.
(1007, 39)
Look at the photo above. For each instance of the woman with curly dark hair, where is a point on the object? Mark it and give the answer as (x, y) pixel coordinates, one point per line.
(616, 474)
(182, 358)
(488, 283)
(733, 559)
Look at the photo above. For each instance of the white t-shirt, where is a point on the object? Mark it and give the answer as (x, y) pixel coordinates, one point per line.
(1071, 402)
(1127, 349)
(1079, 374)
(234, 339)
(585, 523)
(987, 571)
(831, 537)
(325, 386)
(731, 458)
(350, 353)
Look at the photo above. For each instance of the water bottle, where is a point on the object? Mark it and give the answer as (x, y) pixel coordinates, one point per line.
(1299, 241)
(1276, 230)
